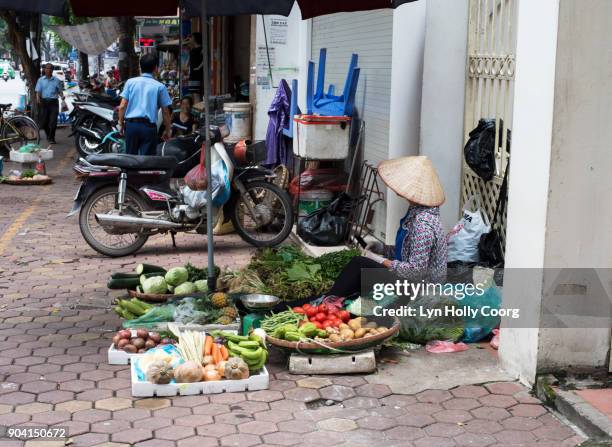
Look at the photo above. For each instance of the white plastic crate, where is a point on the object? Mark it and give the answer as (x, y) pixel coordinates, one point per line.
(23, 157)
(120, 357)
(255, 382)
(321, 137)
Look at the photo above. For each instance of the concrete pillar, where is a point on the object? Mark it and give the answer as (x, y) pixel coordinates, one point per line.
(444, 97)
(406, 87)
(560, 211)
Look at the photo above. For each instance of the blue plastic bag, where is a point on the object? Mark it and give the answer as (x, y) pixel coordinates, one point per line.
(479, 327)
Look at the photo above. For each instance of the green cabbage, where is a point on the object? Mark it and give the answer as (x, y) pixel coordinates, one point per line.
(201, 285)
(185, 289)
(177, 276)
(155, 284)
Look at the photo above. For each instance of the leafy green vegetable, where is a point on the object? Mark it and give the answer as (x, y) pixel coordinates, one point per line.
(155, 284)
(185, 288)
(333, 263)
(196, 274)
(177, 276)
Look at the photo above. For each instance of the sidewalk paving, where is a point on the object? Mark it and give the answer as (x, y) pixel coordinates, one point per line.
(56, 325)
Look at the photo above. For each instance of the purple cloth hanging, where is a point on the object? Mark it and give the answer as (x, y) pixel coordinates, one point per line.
(276, 145)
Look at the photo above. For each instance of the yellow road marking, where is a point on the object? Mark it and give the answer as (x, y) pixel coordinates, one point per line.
(12, 230)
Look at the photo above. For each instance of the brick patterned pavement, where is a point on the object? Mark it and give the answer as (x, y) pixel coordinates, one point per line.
(56, 325)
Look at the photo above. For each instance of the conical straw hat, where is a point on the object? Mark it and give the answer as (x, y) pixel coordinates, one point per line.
(413, 178)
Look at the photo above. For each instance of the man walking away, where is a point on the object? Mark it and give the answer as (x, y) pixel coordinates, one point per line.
(196, 66)
(48, 90)
(141, 99)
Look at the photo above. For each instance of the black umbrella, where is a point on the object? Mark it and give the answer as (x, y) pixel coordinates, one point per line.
(49, 7)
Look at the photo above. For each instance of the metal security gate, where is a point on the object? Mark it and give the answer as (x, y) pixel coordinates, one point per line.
(490, 90)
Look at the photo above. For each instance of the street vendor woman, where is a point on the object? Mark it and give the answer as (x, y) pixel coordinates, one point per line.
(420, 251)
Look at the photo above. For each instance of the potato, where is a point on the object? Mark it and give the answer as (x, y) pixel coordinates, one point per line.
(382, 329)
(138, 342)
(122, 343)
(116, 339)
(125, 333)
(335, 338)
(150, 344)
(130, 348)
(370, 325)
(347, 334)
(155, 337)
(343, 326)
(359, 333)
(142, 333)
(354, 324)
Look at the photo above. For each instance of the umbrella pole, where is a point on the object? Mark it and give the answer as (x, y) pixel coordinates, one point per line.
(207, 148)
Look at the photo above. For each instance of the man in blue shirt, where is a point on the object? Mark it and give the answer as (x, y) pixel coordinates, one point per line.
(48, 90)
(141, 99)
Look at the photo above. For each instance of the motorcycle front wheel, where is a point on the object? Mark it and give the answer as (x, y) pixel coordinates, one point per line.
(86, 146)
(271, 219)
(101, 240)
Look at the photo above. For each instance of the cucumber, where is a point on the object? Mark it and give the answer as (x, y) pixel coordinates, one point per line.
(150, 268)
(123, 275)
(122, 283)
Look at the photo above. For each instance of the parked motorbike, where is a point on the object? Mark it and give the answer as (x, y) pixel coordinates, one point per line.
(5, 76)
(90, 124)
(125, 199)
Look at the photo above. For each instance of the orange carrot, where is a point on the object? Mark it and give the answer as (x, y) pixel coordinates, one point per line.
(208, 344)
(216, 354)
(224, 352)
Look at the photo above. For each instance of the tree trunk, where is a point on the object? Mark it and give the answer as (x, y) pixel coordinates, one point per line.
(17, 34)
(128, 60)
(84, 65)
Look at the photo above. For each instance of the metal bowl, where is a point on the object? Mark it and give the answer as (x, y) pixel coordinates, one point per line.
(259, 301)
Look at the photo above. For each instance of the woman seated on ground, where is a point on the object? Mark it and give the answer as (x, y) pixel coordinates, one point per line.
(183, 121)
(420, 251)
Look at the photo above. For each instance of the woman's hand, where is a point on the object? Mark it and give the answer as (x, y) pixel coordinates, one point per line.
(373, 256)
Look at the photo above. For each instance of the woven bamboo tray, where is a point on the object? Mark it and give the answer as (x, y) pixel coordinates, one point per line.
(28, 182)
(344, 347)
(160, 298)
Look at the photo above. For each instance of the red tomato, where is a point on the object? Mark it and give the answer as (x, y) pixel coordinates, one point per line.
(311, 311)
(299, 310)
(321, 317)
(322, 308)
(344, 316)
(312, 319)
(337, 322)
(328, 323)
(317, 324)
(306, 306)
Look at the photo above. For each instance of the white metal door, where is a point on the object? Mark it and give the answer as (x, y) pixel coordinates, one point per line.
(490, 89)
(370, 35)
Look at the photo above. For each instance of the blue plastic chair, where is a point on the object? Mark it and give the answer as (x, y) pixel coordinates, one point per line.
(328, 104)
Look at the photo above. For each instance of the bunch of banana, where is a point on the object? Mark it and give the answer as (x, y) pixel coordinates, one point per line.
(251, 349)
(131, 309)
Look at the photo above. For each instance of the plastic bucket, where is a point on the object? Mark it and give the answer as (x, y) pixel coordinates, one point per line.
(238, 120)
(313, 200)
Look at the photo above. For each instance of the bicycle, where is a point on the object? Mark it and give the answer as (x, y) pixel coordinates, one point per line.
(16, 130)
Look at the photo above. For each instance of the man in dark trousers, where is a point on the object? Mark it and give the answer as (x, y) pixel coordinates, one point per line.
(48, 91)
(140, 100)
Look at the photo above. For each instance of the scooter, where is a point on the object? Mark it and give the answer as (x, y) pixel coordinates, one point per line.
(124, 199)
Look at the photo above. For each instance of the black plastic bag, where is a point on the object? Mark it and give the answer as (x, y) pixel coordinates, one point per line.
(479, 151)
(490, 245)
(329, 225)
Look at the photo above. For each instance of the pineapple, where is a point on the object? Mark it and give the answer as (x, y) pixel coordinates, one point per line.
(230, 311)
(224, 319)
(219, 300)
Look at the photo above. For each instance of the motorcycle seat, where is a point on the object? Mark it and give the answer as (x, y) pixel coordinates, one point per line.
(5, 106)
(132, 162)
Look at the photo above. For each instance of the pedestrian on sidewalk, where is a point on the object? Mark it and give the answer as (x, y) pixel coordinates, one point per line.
(48, 91)
(142, 97)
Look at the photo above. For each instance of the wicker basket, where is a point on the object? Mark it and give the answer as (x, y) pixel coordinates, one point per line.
(361, 344)
(28, 182)
(160, 298)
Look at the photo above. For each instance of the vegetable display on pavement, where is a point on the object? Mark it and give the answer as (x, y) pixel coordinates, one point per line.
(288, 273)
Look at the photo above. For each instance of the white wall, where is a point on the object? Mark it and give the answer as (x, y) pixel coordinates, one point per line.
(444, 97)
(528, 188)
(406, 87)
(286, 61)
(579, 220)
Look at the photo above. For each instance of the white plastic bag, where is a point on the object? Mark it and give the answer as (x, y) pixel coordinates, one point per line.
(463, 239)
